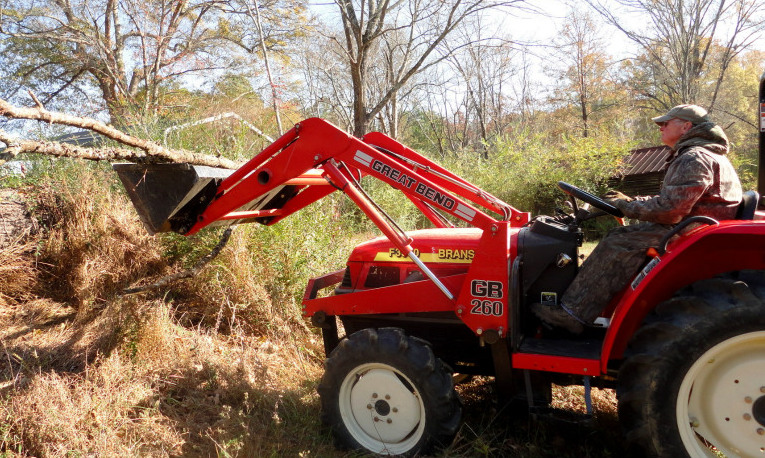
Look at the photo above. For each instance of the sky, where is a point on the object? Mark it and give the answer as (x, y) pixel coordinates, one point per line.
(538, 26)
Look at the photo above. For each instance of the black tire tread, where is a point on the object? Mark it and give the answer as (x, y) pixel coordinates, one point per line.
(661, 344)
(392, 346)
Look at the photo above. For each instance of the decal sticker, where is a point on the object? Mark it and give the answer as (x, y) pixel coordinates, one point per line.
(394, 174)
(648, 267)
(441, 255)
(456, 255)
(490, 290)
(465, 212)
(394, 253)
(428, 193)
(434, 196)
(548, 298)
(487, 288)
(486, 307)
(362, 158)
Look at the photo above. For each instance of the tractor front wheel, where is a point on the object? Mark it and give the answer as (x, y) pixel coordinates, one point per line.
(692, 383)
(386, 393)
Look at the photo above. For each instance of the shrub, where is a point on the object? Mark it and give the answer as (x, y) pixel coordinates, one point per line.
(524, 169)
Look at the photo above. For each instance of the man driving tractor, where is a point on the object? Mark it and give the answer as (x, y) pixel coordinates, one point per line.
(700, 181)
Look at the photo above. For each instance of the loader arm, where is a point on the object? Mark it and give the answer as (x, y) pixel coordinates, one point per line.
(317, 158)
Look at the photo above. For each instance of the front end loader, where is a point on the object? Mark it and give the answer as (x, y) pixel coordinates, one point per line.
(684, 344)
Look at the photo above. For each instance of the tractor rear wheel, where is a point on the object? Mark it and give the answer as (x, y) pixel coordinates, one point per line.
(386, 393)
(692, 383)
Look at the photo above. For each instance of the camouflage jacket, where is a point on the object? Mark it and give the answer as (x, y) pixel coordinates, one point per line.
(700, 180)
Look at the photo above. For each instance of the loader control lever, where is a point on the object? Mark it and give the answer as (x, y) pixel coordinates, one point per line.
(591, 199)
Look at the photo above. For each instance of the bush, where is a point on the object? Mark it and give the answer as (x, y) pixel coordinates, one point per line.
(524, 170)
(259, 279)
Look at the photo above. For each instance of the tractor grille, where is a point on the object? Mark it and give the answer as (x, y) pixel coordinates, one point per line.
(382, 276)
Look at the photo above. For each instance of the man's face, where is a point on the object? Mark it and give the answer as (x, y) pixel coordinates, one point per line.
(672, 130)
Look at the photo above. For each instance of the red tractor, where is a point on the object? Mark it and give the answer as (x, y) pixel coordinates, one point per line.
(684, 344)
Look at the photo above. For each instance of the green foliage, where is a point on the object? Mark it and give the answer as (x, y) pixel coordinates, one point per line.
(736, 110)
(309, 243)
(524, 170)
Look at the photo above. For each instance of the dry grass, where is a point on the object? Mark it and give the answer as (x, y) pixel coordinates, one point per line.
(232, 293)
(208, 367)
(162, 390)
(509, 431)
(94, 245)
(221, 365)
(17, 275)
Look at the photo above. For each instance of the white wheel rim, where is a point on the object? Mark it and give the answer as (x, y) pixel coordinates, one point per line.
(721, 402)
(382, 409)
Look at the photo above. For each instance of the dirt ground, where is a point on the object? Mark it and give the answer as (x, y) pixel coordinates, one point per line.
(15, 220)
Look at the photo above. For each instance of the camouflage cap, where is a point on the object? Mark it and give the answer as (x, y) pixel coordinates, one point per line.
(692, 113)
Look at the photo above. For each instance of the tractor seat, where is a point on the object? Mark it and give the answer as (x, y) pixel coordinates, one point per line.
(748, 205)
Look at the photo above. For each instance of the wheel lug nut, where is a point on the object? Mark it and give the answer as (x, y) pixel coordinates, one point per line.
(377, 419)
(369, 406)
(389, 421)
(761, 431)
(387, 397)
(748, 399)
(395, 409)
(762, 389)
(374, 395)
(747, 417)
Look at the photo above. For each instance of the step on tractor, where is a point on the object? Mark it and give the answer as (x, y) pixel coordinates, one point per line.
(683, 344)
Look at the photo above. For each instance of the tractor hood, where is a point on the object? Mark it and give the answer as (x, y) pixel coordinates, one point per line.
(450, 245)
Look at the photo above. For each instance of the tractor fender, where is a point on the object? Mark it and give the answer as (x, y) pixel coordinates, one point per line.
(700, 254)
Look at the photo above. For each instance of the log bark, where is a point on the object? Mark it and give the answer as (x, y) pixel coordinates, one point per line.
(145, 150)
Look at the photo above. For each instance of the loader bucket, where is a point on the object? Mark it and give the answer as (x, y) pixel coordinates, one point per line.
(169, 197)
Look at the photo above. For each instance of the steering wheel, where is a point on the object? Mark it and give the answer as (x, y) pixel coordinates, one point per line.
(593, 200)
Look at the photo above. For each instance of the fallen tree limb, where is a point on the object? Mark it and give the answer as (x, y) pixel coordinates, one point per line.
(16, 147)
(148, 151)
(166, 280)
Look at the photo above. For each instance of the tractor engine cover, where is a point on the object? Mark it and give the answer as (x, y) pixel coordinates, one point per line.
(377, 263)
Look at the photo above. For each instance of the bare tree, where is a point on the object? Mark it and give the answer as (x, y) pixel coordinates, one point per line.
(126, 50)
(437, 103)
(582, 68)
(268, 28)
(426, 23)
(326, 91)
(485, 66)
(254, 12)
(679, 41)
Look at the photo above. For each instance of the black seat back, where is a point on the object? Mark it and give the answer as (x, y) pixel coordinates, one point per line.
(748, 205)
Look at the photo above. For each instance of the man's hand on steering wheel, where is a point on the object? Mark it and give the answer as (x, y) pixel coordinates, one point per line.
(591, 199)
(612, 196)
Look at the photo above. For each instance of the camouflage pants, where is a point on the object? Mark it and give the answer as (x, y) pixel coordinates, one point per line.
(610, 267)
